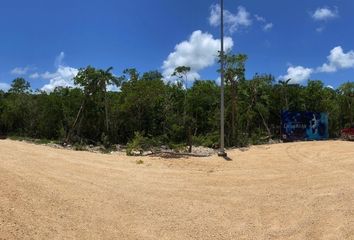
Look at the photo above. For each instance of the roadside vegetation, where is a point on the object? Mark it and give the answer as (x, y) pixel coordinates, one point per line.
(147, 112)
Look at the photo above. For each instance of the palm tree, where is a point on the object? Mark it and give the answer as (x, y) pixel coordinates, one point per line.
(182, 73)
(284, 85)
(94, 81)
(106, 79)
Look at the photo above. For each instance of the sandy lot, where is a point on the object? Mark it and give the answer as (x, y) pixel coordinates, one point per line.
(285, 191)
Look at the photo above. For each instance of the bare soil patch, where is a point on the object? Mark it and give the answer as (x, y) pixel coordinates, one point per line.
(281, 191)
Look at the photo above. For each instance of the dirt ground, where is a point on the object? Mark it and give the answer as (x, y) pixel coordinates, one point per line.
(283, 191)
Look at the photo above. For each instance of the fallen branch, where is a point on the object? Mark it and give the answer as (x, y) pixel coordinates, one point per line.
(177, 154)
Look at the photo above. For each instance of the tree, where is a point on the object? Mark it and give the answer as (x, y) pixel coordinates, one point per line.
(17, 107)
(260, 88)
(234, 73)
(141, 107)
(182, 73)
(106, 79)
(20, 85)
(314, 96)
(203, 112)
(167, 113)
(346, 92)
(284, 86)
(132, 73)
(94, 83)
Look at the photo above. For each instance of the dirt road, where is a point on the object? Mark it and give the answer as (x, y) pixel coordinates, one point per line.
(285, 191)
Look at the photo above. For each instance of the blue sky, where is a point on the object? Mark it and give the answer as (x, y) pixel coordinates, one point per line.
(47, 41)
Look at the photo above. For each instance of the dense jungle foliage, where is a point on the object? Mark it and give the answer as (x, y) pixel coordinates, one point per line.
(168, 113)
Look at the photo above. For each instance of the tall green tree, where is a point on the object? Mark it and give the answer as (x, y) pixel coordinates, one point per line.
(182, 73)
(94, 83)
(20, 86)
(17, 107)
(234, 73)
(346, 92)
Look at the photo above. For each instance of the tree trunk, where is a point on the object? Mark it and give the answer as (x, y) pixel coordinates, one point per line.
(184, 106)
(76, 120)
(286, 99)
(106, 109)
(265, 125)
(189, 131)
(349, 101)
(79, 125)
(189, 139)
(233, 111)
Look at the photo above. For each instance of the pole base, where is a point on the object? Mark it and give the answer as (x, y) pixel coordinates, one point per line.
(222, 154)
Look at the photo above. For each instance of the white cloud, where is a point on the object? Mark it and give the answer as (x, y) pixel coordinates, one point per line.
(63, 77)
(214, 18)
(233, 22)
(320, 29)
(198, 52)
(4, 86)
(338, 59)
(325, 13)
(327, 68)
(34, 75)
(297, 74)
(218, 81)
(113, 88)
(267, 27)
(59, 59)
(20, 70)
(259, 18)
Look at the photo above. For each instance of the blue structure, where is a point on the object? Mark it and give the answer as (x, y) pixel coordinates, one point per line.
(304, 126)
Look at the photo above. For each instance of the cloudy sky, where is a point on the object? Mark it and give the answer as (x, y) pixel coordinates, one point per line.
(47, 41)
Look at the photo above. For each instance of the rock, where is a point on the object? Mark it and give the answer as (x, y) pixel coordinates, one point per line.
(136, 153)
(147, 153)
(164, 147)
(119, 147)
(95, 149)
(202, 150)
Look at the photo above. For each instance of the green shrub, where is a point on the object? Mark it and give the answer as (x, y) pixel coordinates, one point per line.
(259, 137)
(79, 147)
(42, 141)
(179, 147)
(209, 140)
(141, 143)
(105, 141)
(242, 140)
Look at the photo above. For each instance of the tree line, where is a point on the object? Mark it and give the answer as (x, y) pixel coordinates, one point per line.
(166, 113)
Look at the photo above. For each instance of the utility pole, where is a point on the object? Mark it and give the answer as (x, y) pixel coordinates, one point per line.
(222, 152)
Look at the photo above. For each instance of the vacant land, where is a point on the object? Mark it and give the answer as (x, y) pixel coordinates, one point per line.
(285, 191)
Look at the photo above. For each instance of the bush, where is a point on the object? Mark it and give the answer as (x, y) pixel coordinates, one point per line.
(105, 141)
(259, 137)
(139, 162)
(42, 141)
(242, 140)
(141, 143)
(209, 140)
(178, 147)
(79, 147)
